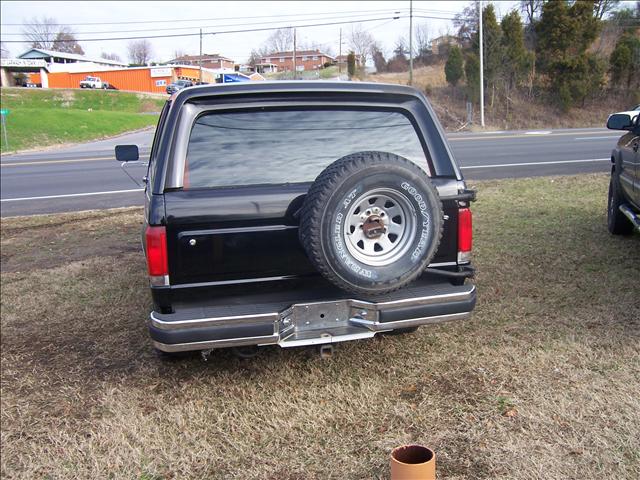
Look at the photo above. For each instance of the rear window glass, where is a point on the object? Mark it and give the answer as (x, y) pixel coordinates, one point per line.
(290, 146)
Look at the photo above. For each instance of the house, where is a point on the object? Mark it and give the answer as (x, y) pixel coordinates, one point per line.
(439, 44)
(305, 60)
(209, 60)
(266, 67)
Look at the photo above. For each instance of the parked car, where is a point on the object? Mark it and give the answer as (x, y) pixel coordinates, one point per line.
(302, 214)
(623, 213)
(94, 82)
(179, 85)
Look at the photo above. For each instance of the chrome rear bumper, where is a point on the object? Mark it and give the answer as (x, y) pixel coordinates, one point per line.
(307, 323)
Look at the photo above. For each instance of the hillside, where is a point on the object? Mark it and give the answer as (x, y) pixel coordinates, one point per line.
(39, 118)
(521, 112)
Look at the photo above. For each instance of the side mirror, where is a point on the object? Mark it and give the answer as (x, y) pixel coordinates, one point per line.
(619, 121)
(127, 153)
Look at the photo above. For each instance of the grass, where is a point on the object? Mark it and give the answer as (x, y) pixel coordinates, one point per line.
(40, 118)
(543, 381)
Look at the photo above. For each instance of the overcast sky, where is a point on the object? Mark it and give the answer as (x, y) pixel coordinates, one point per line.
(187, 17)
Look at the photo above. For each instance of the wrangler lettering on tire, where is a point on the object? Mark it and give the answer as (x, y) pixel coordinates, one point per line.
(371, 222)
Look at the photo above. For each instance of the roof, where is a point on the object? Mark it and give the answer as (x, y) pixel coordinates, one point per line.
(70, 56)
(298, 53)
(204, 56)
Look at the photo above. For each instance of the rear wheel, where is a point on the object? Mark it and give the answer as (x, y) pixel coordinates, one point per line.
(617, 223)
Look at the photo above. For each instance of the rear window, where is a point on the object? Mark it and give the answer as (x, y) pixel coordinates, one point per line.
(290, 146)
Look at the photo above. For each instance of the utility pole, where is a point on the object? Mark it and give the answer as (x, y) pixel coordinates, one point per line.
(410, 42)
(200, 60)
(295, 64)
(481, 71)
(340, 54)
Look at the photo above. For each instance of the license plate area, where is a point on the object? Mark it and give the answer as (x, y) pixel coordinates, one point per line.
(319, 316)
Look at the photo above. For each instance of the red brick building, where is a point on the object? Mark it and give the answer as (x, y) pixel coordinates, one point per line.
(305, 60)
(209, 60)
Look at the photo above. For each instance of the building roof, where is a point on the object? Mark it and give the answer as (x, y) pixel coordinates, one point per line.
(204, 56)
(305, 53)
(69, 56)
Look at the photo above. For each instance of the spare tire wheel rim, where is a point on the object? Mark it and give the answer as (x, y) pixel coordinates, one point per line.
(380, 228)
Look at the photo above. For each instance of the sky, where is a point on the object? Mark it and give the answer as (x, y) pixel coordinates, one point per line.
(187, 17)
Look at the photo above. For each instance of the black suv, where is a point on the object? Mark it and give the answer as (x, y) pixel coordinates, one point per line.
(302, 213)
(623, 212)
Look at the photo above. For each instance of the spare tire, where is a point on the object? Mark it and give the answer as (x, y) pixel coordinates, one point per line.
(371, 222)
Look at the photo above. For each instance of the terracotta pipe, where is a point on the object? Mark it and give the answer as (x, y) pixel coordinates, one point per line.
(413, 462)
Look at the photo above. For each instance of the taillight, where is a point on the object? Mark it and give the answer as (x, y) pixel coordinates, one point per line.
(157, 255)
(465, 235)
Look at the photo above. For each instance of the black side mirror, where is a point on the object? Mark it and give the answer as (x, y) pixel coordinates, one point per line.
(127, 153)
(619, 121)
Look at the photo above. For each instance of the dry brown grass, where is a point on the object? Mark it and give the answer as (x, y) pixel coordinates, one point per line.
(520, 111)
(542, 382)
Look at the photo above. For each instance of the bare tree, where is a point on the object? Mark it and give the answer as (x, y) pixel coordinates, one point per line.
(531, 10)
(139, 51)
(280, 40)
(256, 57)
(41, 32)
(421, 36)
(178, 53)
(66, 42)
(110, 56)
(361, 41)
(467, 22)
(603, 7)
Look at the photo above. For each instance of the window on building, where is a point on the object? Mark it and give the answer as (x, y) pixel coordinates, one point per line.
(304, 58)
(281, 59)
(315, 57)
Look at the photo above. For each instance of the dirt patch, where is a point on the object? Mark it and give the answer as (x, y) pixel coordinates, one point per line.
(545, 377)
(49, 241)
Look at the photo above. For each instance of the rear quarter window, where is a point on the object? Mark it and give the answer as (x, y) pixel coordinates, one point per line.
(290, 146)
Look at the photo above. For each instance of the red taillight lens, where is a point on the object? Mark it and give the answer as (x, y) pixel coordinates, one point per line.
(157, 251)
(465, 233)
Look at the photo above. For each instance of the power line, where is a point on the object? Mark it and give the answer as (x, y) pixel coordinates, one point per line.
(330, 17)
(175, 35)
(206, 19)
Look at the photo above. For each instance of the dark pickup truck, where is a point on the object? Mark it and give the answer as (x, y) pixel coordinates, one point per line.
(302, 213)
(623, 213)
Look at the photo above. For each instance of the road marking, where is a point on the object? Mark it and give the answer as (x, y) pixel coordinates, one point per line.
(78, 160)
(596, 138)
(526, 164)
(517, 135)
(71, 195)
(538, 132)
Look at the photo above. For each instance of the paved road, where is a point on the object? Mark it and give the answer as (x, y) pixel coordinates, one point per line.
(87, 176)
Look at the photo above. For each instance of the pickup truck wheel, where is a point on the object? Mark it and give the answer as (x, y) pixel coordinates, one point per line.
(617, 223)
(371, 222)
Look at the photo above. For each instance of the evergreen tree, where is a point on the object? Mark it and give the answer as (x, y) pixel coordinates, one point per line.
(564, 35)
(624, 62)
(516, 57)
(351, 64)
(454, 68)
(472, 72)
(492, 47)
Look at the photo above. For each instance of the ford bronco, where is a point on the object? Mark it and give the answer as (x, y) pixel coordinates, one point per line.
(302, 213)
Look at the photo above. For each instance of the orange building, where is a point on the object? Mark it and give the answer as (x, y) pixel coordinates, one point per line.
(137, 79)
